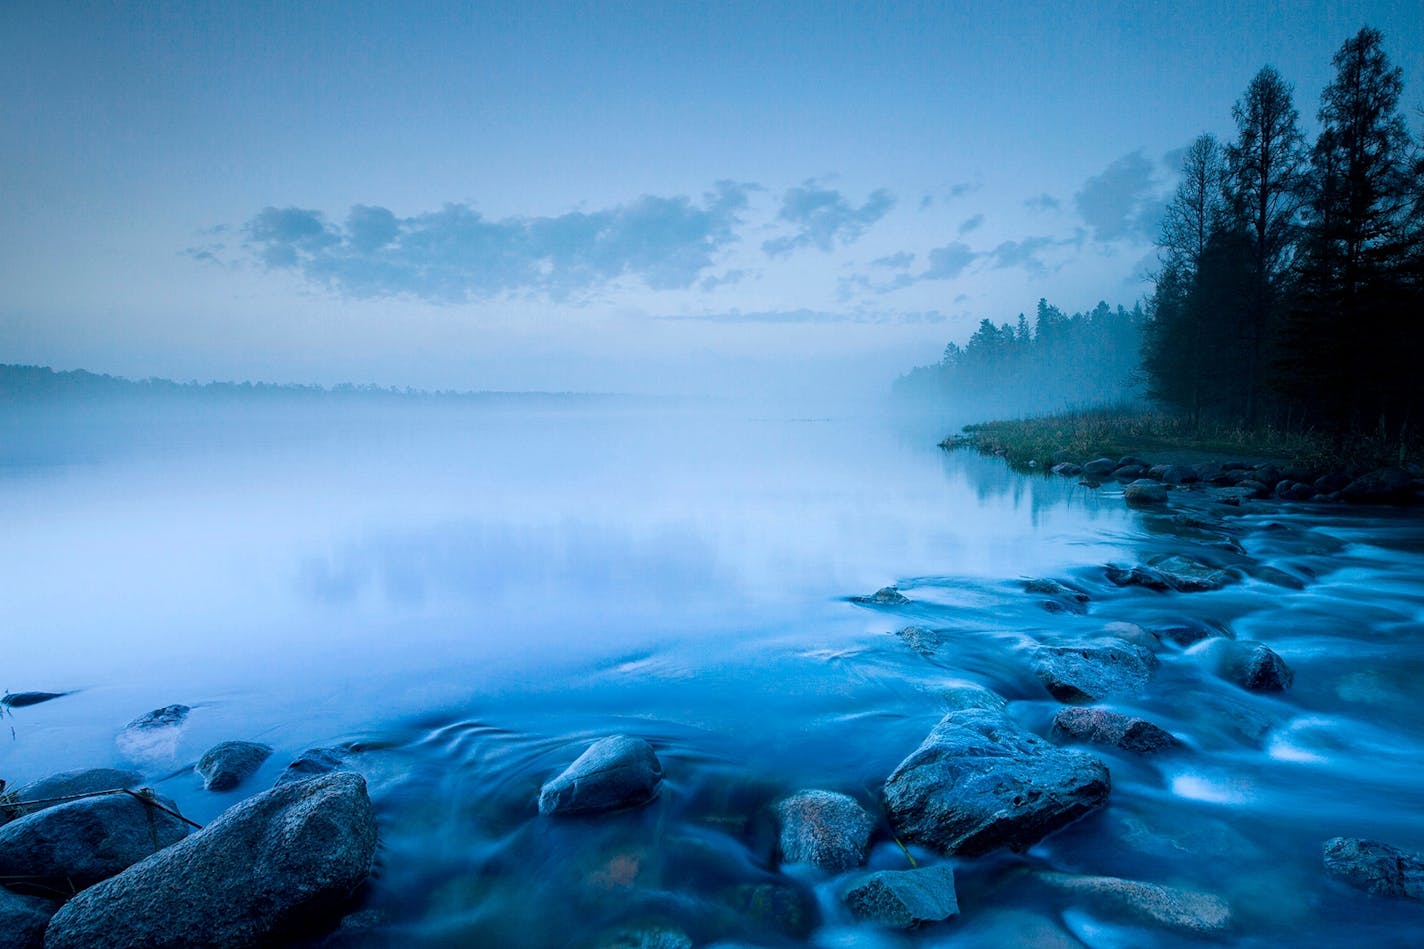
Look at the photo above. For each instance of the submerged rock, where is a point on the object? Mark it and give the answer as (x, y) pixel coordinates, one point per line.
(24, 699)
(885, 596)
(1144, 493)
(23, 920)
(1061, 597)
(224, 766)
(1105, 727)
(1067, 469)
(1090, 672)
(979, 782)
(969, 695)
(154, 735)
(1175, 573)
(1375, 867)
(823, 828)
(1189, 632)
(312, 762)
(286, 859)
(922, 640)
(65, 784)
(614, 773)
(1187, 911)
(1253, 666)
(904, 898)
(82, 842)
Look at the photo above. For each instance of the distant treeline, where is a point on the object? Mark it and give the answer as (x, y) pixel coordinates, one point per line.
(1083, 359)
(1292, 284)
(40, 384)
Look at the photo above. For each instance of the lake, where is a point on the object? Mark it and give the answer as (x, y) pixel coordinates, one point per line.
(461, 595)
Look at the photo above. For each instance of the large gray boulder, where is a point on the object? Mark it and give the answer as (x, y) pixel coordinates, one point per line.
(1376, 867)
(23, 920)
(614, 773)
(286, 859)
(823, 828)
(85, 841)
(33, 796)
(979, 782)
(227, 764)
(1091, 671)
(904, 898)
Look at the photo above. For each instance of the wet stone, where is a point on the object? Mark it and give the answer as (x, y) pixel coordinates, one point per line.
(1143, 493)
(1253, 666)
(1090, 672)
(922, 640)
(312, 762)
(823, 828)
(1376, 867)
(1186, 911)
(1105, 727)
(614, 773)
(66, 784)
(885, 596)
(23, 920)
(1061, 597)
(903, 898)
(978, 782)
(226, 765)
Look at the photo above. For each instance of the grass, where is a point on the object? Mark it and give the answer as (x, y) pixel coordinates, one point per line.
(1158, 437)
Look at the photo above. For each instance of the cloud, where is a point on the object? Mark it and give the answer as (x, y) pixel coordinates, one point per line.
(926, 202)
(1043, 202)
(824, 218)
(961, 189)
(456, 254)
(895, 261)
(806, 316)
(1024, 254)
(949, 261)
(971, 224)
(1122, 203)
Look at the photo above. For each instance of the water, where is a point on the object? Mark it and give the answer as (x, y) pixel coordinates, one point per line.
(462, 596)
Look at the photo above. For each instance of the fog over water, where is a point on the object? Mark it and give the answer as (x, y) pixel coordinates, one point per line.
(462, 594)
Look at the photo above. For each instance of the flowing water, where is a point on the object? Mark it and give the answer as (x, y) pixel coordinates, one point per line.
(461, 596)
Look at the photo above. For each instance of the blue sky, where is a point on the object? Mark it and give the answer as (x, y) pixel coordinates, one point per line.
(670, 197)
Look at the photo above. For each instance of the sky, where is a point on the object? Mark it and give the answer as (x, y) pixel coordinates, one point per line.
(689, 198)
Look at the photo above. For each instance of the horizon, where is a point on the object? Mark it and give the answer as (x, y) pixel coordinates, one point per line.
(640, 200)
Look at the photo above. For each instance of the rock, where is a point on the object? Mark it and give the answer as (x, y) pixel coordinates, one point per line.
(786, 909)
(1100, 467)
(1375, 867)
(1209, 471)
(287, 859)
(1189, 632)
(154, 736)
(904, 898)
(1187, 911)
(224, 766)
(66, 784)
(922, 640)
(979, 782)
(614, 773)
(988, 928)
(1062, 598)
(1179, 474)
(1268, 475)
(968, 695)
(1253, 489)
(23, 699)
(1253, 666)
(823, 828)
(885, 596)
(1090, 672)
(1332, 482)
(1144, 493)
(1129, 473)
(1110, 728)
(1067, 469)
(646, 937)
(1173, 573)
(1383, 486)
(23, 920)
(312, 762)
(85, 841)
(1134, 634)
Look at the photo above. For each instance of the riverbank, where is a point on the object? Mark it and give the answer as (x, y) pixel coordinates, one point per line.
(1125, 446)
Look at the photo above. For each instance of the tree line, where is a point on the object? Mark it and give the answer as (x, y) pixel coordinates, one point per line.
(1060, 360)
(1291, 291)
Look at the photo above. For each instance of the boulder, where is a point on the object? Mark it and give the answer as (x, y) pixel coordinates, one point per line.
(1375, 867)
(1089, 672)
(1129, 473)
(154, 736)
(284, 861)
(979, 782)
(964, 695)
(1061, 598)
(224, 766)
(922, 640)
(66, 784)
(1100, 467)
(1331, 482)
(903, 898)
(1383, 486)
(614, 773)
(885, 596)
(1189, 632)
(23, 920)
(1105, 727)
(1172, 573)
(1067, 469)
(823, 828)
(1253, 666)
(1187, 911)
(1179, 474)
(312, 762)
(25, 699)
(1144, 493)
(82, 842)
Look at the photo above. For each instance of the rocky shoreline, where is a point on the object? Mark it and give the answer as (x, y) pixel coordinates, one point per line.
(92, 858)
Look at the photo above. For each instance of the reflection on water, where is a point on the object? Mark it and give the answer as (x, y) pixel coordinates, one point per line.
(464, 597)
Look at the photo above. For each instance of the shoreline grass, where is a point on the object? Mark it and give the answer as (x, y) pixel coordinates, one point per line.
(1081, 435)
